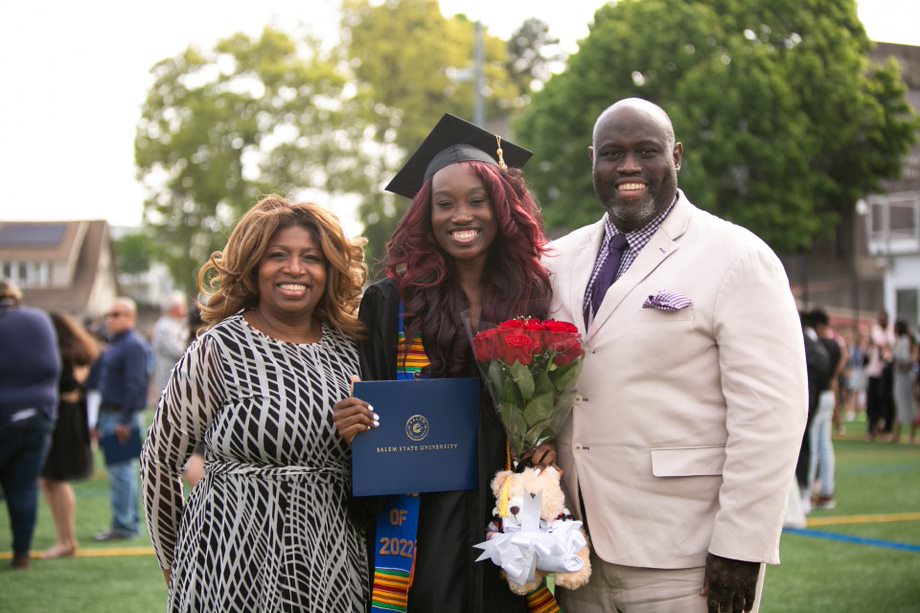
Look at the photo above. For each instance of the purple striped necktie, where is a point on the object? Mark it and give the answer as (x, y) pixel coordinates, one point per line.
(606, 275)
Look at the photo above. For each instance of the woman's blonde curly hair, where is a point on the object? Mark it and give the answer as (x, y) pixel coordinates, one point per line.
(228, 282)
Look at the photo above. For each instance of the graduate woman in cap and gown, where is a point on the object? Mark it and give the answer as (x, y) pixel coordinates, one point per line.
(470, 243)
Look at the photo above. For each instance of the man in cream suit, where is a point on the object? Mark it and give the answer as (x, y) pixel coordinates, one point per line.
(683, 440)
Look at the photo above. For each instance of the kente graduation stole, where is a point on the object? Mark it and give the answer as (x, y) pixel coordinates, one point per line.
(394, 554)
(410, 354)
(397, 523)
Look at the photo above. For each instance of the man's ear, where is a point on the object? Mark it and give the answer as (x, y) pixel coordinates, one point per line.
(678, 155)
(591, 153)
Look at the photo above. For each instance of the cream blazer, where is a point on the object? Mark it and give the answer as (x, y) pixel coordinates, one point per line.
(686, 427)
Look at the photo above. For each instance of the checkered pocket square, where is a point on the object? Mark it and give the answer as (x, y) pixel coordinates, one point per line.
(667, 301)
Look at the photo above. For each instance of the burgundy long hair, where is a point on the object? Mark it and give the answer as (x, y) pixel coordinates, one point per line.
(514, 281)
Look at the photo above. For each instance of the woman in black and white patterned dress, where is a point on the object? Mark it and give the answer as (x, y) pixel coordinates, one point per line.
(267, 529)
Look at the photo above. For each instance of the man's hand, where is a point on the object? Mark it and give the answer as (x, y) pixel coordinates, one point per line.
(122, 432)
(730, 584)
(544, 455)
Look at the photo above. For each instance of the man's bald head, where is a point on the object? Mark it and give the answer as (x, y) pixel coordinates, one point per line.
(122, 316)
(641, 105)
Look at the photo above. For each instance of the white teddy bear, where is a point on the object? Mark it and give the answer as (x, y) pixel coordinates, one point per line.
(533, 534)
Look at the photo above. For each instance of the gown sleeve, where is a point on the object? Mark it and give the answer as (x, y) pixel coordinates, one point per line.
(190, 401)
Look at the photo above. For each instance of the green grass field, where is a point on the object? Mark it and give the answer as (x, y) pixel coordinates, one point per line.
(858, 570)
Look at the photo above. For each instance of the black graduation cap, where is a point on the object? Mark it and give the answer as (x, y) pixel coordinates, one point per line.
(454, 140)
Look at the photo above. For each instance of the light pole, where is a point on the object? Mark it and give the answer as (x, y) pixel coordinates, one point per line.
(474, 73)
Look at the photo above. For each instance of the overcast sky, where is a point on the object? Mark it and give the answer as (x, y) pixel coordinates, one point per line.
(74, 75)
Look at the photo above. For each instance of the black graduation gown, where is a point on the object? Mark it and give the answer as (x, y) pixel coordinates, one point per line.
(447, 578)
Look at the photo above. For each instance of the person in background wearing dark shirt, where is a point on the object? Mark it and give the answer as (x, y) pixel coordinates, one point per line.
(124, 378)
(71, 456)
(818, 366)
(821, 462)
(29, 369)
(880, 384)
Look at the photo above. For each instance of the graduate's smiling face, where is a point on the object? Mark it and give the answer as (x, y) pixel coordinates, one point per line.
(462, 218)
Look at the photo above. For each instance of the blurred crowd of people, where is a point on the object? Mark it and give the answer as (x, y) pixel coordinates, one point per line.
(66, 385)
(879, 381)
(854, 375)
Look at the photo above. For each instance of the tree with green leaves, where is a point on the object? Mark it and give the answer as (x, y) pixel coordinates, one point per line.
(784, 122)
(219, 129)
(532, 51)
(134, 253)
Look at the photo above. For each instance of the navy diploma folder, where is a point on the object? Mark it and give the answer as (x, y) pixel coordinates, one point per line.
(427, 441)
(115, 452)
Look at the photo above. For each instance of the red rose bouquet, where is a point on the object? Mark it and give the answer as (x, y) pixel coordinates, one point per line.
(530, 368)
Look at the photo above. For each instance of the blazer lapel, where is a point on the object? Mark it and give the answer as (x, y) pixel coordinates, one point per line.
(662, 244)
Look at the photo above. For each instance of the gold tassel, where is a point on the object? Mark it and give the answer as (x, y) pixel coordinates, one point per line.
(499, 153)
(506, 486)
(503, 496)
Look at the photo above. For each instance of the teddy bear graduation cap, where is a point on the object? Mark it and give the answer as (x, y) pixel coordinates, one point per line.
(454, 140)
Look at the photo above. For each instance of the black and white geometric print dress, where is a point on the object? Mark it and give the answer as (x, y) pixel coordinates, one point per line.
(268, 528)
